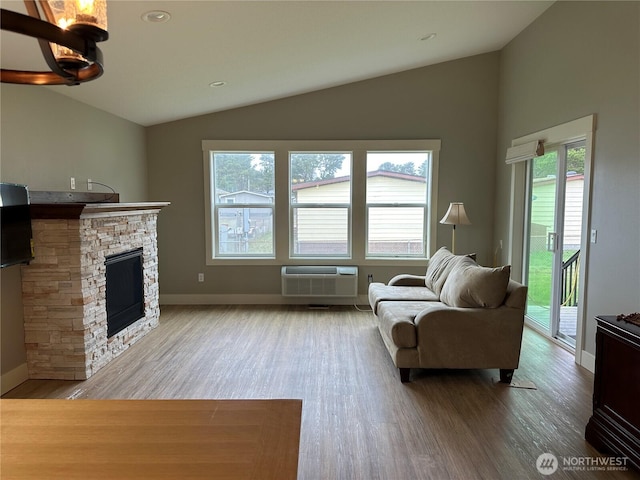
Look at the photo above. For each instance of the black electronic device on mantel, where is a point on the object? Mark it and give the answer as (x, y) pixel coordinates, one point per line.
(16, 243)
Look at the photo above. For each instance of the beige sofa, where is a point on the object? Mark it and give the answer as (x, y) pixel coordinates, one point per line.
(458, 315)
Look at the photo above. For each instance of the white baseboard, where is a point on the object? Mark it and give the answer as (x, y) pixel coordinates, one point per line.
(240, 299)
(13, 378)
(588, 361)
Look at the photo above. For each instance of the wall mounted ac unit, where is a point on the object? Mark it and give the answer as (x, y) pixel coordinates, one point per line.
(319, 281)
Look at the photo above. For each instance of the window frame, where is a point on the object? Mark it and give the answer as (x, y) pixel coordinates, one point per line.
(358, 247)
(317, 205)
(426, 205)
(232, 204)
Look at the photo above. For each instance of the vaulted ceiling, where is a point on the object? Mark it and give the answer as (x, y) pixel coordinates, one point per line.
(265, 50)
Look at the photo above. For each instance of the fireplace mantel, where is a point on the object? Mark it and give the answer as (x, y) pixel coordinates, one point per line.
(73, 210)
(63, 288)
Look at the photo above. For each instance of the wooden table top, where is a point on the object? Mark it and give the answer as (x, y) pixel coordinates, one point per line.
(149, 439)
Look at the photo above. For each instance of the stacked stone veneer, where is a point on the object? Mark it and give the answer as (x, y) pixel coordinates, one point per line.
(63, 291)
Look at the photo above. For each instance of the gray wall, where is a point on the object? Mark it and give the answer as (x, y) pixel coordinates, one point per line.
(47, 138)
(576, 59)
(454, 101)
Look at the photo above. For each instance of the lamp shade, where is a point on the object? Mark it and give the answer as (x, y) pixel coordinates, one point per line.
(70, 13)
(456, 215)
(82, 16)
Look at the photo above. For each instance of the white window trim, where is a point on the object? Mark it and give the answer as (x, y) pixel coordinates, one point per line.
(281, 149)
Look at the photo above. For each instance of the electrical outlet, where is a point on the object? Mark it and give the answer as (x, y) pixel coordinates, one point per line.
(594, 235)
(89, 184)
(201, 277)
(73, 183)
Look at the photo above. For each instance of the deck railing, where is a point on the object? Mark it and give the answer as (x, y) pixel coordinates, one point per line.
(570, 269)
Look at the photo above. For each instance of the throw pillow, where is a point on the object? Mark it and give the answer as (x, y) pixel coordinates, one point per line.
(470, 285)
(440, 265)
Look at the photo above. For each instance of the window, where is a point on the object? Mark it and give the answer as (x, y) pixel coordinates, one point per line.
(397, 203)
(277, 202)
(243, 203)
(320, 200)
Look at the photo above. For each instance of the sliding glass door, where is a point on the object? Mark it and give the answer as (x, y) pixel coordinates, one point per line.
(553, 239)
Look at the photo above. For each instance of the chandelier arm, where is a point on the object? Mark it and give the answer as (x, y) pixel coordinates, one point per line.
(45, 33)
(47, 53)
(49, 78)
(23, 77)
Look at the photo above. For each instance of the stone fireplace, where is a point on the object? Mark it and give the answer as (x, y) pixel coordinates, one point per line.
(64, 287)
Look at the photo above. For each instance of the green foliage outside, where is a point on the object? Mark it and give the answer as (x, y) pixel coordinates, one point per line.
(261, 244)
(545, 166)
(539, 281)
(235, 172)
(408, 168)
(312, 167)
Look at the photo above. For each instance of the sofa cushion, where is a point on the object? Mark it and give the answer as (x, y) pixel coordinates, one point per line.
(395, 319)
(469, 285)
(379, 292)
(440, 265)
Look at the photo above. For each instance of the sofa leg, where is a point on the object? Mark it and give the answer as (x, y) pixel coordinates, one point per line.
(506, 375)
(404, 374)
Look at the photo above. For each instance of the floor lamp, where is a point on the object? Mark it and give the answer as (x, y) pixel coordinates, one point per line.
(455, 216)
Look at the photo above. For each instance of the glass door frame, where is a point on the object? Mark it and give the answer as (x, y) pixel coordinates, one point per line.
(575, 130)
(555, 240)
(553, 234)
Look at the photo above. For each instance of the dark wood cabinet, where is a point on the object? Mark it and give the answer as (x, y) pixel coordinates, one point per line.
(614, 427)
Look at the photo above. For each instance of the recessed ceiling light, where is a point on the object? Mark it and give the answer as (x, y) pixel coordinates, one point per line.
(156, 16)
(218, 83)
(429, 36)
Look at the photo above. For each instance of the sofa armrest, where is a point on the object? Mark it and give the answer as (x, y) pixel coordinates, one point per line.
(516, 296)
(407, 280)
(451, 337)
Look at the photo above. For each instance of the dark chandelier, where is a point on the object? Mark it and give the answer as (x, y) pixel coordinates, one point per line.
(67, 32)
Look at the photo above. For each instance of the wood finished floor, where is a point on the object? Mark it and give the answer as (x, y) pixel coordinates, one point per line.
(358, 420)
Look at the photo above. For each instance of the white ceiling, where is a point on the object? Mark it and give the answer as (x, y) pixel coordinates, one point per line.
(266, 50)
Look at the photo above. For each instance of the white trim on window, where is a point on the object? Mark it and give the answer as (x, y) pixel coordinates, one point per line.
(357, 217)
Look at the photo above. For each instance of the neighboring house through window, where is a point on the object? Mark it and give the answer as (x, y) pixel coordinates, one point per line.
(243, 203)
(362, 201)
(397, 203)
(320, 221)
